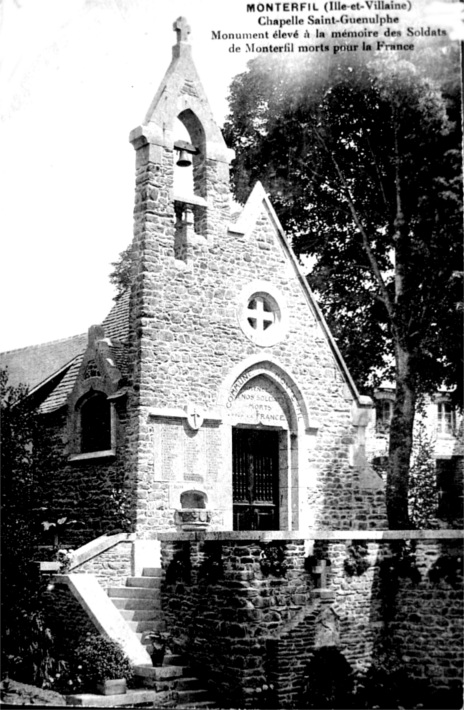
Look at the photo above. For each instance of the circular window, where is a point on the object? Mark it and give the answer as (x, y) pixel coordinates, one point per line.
(262, 313)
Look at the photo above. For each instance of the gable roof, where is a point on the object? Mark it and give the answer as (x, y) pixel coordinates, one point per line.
(116, 323)
(35, 364)
(245, 223)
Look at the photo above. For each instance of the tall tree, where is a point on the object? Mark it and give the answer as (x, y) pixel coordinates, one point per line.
(363, 166)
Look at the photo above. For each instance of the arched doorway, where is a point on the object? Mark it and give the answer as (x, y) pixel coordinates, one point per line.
(264, 452)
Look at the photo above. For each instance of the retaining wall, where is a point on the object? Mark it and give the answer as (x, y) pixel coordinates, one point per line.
(251, 609)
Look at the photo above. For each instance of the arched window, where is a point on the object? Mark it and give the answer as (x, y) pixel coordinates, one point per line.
(95, 423)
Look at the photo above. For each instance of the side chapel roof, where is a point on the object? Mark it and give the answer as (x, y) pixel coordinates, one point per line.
(57, 363)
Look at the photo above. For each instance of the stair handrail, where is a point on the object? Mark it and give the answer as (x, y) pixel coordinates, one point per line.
(96, 547)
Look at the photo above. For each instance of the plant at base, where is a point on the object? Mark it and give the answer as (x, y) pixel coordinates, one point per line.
(65, 558)
(159, 641)
(95, 660)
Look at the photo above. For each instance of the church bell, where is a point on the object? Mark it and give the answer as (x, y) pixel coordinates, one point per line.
(185, 159)
(185, 150)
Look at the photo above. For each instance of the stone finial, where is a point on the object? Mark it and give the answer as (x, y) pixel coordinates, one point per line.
(96, 332)
(182, 28)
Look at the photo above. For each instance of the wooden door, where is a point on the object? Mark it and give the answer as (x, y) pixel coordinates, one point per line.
(255, 479)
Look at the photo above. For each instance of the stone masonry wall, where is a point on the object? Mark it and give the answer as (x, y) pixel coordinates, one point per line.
(252, 631)
(111, 567)
(222, 609)
(84, 490)
(186, 339)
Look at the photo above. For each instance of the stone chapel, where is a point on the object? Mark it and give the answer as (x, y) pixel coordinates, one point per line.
(213, 395)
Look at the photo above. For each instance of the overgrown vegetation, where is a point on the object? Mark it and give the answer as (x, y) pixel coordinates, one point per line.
(95, 660)
(423, 489)
(356, 562)
(28, 642)
(272, 559)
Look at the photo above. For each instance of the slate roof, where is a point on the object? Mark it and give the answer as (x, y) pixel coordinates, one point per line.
(60, 394)
(37, 363)
(116, 323)
(61, 359)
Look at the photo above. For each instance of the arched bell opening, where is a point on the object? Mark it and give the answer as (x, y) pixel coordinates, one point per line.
(189, 179)
(195, 151)
(183, 161)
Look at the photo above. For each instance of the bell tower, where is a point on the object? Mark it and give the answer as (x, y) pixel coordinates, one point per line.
(181, 213)
(202, 208)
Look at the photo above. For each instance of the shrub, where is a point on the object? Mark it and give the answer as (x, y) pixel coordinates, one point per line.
(95, 660)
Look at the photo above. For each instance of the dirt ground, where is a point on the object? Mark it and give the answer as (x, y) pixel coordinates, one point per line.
(21, 694)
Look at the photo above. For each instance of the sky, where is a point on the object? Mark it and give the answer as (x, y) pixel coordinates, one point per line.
(75, 77)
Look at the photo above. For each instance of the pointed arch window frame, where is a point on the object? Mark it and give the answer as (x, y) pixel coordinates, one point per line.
(79, 454)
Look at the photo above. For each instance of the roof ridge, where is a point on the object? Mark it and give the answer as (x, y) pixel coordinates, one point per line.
(40, 345)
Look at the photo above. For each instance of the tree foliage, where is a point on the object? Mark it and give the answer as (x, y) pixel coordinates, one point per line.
(120, 277)
(26, 459)
(363, 166)
(423, 489)
(350, 158)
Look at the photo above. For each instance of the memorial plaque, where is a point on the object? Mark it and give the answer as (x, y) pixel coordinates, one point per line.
(168, 442)
(260, 402)
(213, 453)
(195, 456)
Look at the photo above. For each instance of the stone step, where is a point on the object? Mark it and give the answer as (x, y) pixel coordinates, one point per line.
(187, 683)
(150, 674)
(132, 698)
(134, 604)
(140, 614)
(152, 572)
(146, 582)
(133, 592)
(145, 625)
(152, 607)
(173, 659)
(192, 697)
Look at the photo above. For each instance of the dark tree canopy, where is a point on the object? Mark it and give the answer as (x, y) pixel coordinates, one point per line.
(363, 165)
(350, 156)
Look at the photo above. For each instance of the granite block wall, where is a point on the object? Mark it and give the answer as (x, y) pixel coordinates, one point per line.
(252, 613)
(112, 567)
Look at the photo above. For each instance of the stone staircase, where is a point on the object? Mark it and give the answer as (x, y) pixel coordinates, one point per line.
(139, 603)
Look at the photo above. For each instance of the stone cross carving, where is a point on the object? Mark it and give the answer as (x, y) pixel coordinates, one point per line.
(182, 28)
(195, 417)
(261, 317)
